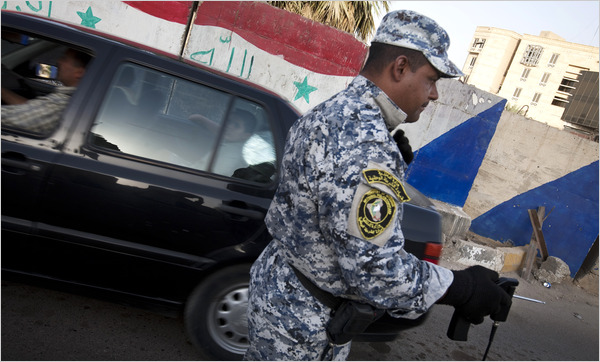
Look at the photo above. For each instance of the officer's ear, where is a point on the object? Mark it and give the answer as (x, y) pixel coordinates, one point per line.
(400, 67)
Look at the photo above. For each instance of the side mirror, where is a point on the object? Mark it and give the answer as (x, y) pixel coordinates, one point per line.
(46, 71)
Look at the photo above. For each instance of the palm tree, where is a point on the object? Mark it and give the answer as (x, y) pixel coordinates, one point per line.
(354, 17)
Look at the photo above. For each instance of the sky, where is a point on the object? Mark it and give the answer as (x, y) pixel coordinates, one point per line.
(575, 21)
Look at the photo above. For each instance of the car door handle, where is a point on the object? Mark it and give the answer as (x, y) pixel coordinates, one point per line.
(17, 163)
(252, 214)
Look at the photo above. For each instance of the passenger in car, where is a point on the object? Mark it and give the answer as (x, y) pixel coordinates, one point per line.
(42, 114)
(239, 128)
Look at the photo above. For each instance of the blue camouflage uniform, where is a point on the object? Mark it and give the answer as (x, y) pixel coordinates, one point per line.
(340, 160)
(336, 217)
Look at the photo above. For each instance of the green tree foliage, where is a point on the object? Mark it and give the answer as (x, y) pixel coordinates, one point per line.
(354, 17)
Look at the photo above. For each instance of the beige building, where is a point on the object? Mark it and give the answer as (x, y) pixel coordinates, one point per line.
(536, 74)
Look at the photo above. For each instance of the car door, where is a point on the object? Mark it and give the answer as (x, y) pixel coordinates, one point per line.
(28, 156)
(140, 176)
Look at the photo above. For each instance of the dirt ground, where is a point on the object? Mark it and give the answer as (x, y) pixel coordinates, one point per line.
(41, 324)
(565, 328)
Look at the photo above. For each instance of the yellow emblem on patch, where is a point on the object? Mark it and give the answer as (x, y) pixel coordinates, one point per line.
(386, 178)
(375, 213)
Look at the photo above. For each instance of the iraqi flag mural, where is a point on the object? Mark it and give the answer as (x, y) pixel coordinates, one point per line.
(301, 60)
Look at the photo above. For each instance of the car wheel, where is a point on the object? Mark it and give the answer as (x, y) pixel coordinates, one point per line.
(215, 314)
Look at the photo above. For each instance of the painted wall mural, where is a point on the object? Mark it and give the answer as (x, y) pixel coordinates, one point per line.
(468, 152)
(276, 49)
(571, 204)
(447, 165)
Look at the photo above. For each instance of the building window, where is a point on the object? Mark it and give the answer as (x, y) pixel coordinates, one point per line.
(532, 55)
(567, 85)
(536, 99)
(478, 44)
(553, 60)
(544, 79)
(525, 74)
(472, 63)
(560, 102)
(517, 93)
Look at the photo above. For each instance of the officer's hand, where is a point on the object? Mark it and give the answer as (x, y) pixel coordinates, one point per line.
(404, 146)
(475, 294)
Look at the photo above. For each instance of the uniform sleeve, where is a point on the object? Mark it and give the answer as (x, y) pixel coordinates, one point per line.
(364, 193)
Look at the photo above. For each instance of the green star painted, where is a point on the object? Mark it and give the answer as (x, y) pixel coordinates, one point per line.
(304, 90)
(88, 19)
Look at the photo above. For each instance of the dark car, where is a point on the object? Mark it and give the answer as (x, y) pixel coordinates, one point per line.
(138, 195)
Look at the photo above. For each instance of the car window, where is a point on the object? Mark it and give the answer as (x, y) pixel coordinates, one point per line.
(165, 118)
(34, 92)
(246, 149)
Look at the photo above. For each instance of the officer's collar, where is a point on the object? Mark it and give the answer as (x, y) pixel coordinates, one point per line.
(392, 114)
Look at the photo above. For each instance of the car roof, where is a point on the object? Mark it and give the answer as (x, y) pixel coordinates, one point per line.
(129, 43)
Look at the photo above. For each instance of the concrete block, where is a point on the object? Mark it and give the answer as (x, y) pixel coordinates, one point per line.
(469, 253)
(455, 222)
(513, 258)
(553, 270)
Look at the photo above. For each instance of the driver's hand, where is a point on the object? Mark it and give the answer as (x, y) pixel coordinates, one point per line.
(10, 97)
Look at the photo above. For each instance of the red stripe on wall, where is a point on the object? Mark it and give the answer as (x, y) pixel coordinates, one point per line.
(302, 42)
(174, 11)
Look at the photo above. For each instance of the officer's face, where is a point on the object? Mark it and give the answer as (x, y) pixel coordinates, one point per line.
(415, 90)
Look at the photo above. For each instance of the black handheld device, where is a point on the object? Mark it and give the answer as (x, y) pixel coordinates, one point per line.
(458, 329)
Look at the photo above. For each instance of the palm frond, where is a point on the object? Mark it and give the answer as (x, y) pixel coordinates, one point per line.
(354, 17)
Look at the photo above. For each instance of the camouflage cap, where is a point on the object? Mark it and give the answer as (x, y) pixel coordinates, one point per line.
(409, 29)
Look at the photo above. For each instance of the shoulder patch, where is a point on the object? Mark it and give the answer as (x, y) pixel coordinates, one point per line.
(387, 179)
(375, 212)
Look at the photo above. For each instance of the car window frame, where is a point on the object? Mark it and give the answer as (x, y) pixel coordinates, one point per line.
(186, 72)
(42, 38)
(76, 108)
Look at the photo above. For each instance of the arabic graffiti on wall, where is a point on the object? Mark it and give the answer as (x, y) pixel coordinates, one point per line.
(45, 8)
(30, 5)
(201, 57)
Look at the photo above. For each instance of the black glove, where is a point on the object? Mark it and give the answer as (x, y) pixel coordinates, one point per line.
(404, 146)
(475, 294)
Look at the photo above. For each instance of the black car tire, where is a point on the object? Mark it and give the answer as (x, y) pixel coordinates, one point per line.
(215, 314)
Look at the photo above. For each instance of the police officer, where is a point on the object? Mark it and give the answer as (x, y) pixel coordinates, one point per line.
(336, 214)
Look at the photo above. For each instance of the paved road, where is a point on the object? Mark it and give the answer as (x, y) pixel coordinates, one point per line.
(39, 324)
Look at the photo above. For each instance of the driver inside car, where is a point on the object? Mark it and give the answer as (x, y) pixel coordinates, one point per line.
(41, 115)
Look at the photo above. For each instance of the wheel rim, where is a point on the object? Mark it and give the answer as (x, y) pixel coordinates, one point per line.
(228, 323)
